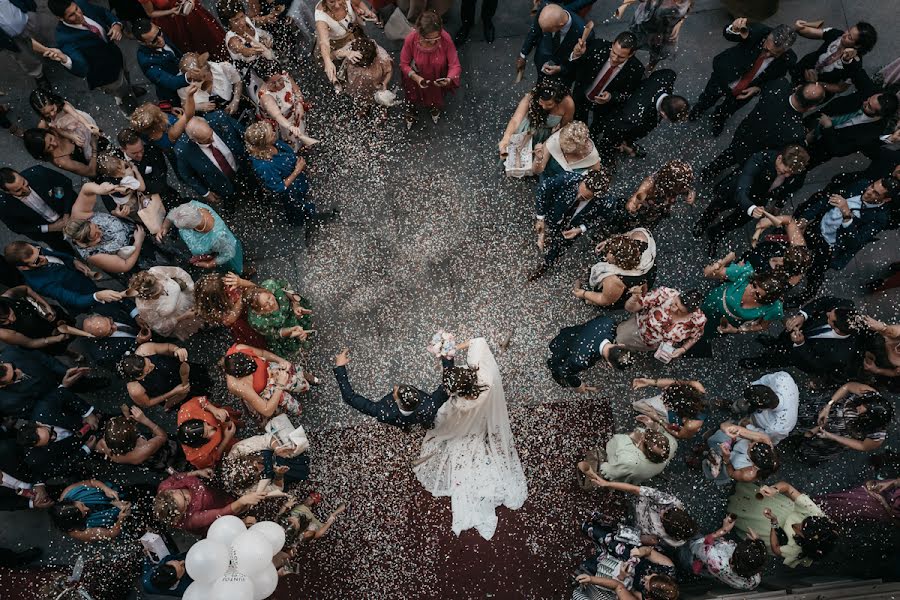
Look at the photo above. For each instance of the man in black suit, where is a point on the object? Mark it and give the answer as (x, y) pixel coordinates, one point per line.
(151, 162)
(565, 207)
(467, 19)
(28, 377)
(213, 160)
(115, 332)
(606, 74)
(552, 36)
(768, 177)
(819, 340)
(845, 127)
(52, 451)
(761, 54)
(403, 407)
(37, 203)
(653, 102)
(839, 225)
(578, 348)
(776, 121)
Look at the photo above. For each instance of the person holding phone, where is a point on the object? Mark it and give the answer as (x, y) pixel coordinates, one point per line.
(430, 67)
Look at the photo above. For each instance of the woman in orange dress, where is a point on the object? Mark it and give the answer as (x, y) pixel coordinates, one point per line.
(197, 31)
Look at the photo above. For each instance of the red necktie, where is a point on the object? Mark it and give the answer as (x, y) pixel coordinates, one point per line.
(603, 81)
(750, 75)
(221, 161)
(95, 30)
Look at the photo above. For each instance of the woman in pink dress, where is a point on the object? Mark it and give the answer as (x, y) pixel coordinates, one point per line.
(198, 31)
(429, 65)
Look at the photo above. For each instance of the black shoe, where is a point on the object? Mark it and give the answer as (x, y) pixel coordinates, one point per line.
(537, 273)
(766, 340)
(462, 36)
(43, 83)
(325, 216)
(138, 91)
(707, 176)
(718, 125)
(694, 114)
(5, 123)
(490, 32)
(712, 247)
(20, 559)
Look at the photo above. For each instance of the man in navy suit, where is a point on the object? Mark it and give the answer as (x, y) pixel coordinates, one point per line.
(29, 204)
(87, 37)
(29, 378)
(58, 276)
(580, 347)
(212, 160)
(552, 36)
(158, 58)
(403, 407)
(565, 208)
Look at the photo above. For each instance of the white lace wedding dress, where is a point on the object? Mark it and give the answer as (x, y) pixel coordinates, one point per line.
(470, 454)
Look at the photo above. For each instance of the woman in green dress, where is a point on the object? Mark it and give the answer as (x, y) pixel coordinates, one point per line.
(799, 532)
(274, 310)
(745, 302)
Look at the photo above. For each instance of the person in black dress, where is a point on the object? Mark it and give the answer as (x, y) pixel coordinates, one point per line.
(161, 374)
(28, 320)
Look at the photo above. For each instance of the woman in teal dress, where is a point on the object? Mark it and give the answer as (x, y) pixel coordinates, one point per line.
(212, 243)
(90, 511)
(541, 112)
(792, 526)
(747, 301)
(274, 310)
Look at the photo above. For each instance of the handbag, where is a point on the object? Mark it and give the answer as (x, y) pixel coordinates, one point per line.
(397, 27)
(153, 214)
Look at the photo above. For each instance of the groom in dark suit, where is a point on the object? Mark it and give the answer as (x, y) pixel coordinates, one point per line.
(36, 203)
(566, 206)
(578, 348)
(403, 407)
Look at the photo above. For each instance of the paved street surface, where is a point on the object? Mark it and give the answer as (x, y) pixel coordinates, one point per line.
(433, 235)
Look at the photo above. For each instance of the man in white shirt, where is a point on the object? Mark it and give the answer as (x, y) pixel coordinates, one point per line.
(221, 84)
(36, 203)
(772, 402)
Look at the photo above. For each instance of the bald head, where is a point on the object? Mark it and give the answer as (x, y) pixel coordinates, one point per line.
(552, 18)
(810, 95)
(198, 129)
(98, 326)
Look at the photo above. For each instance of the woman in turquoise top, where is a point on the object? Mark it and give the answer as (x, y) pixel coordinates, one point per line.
(211, 242)
(745, 302)
(90, 511)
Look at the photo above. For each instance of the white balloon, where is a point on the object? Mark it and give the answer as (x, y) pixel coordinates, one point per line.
(198, 591)
(273, 532)
(232, 586)
(250, 552)
(225, 529)
(265, 582)
(207, 560)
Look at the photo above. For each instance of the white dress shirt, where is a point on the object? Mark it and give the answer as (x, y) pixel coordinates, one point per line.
(38, 205)
(221, 147)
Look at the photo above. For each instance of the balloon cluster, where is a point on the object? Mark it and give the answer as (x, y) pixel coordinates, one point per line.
(233, 562)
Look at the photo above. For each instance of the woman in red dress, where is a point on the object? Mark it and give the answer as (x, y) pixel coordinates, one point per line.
(198, 31)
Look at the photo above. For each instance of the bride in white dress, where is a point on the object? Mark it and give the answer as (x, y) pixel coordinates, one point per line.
(470, 454)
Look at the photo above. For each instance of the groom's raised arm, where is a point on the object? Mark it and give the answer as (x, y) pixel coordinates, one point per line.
(357, 401)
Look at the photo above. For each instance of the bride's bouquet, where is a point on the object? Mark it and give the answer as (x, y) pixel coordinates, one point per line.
(443, 344)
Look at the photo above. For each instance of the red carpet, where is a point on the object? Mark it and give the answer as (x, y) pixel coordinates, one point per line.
(395, 540)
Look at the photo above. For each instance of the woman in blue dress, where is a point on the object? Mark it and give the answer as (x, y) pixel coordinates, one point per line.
(90, 511)
(281, 172)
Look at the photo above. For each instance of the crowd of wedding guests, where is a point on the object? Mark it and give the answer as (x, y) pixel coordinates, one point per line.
(594, 101)
(112, 274)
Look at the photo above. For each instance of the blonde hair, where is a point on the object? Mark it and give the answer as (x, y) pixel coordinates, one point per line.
(148, 117)
(193, 60)
(574, 137)
(145, 284)
(257, 140)
(78, 231)
(107, 164)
